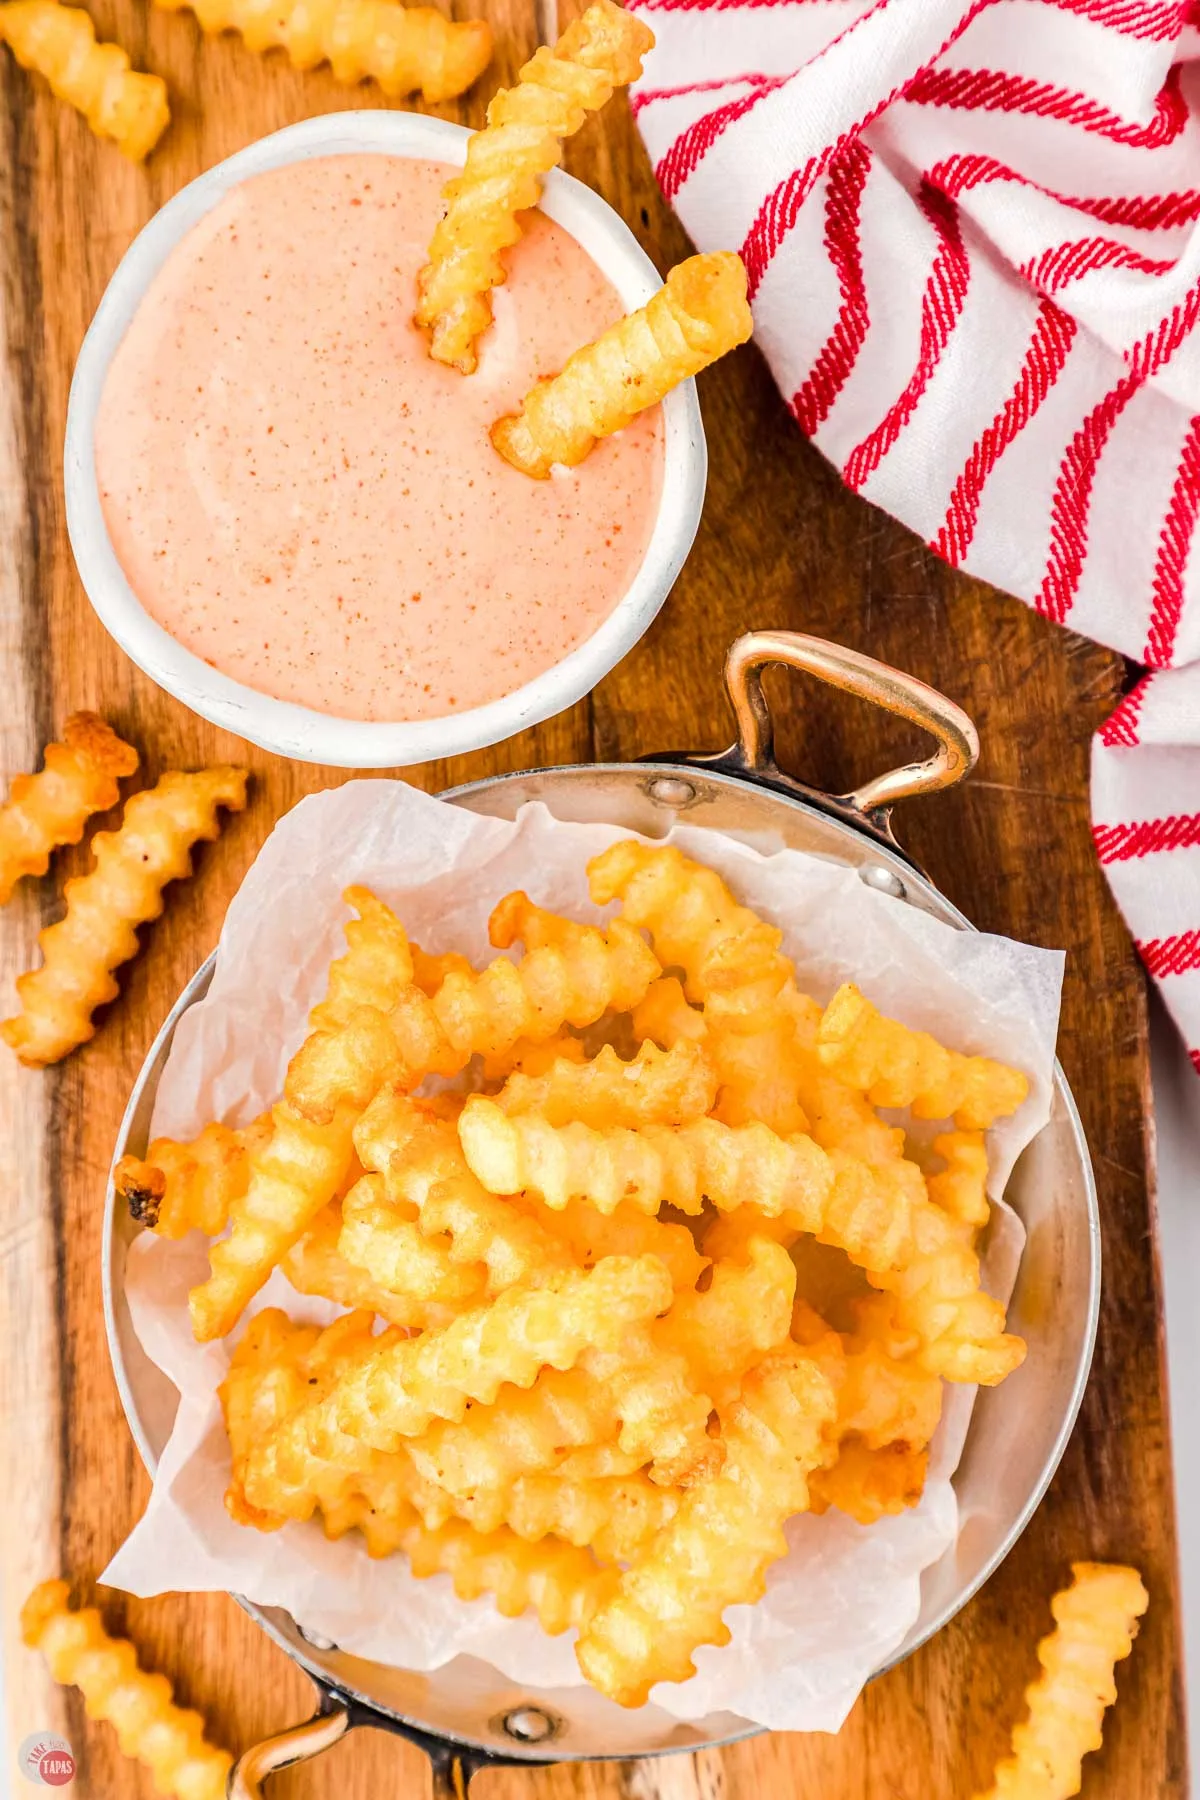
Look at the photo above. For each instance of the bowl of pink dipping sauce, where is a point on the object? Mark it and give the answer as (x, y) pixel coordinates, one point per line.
(293, 519)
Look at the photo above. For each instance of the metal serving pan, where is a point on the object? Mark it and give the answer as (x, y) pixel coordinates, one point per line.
(466, 1715)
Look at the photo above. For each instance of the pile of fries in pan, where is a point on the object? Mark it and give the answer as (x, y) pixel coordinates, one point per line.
(653, 1275)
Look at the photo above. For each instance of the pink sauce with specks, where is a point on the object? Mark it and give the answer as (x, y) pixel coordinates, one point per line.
(302, 497)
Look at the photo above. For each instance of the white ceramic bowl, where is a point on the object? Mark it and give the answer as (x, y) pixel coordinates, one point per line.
(298, 731)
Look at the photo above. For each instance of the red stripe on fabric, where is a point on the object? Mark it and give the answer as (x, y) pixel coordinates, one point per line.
(1194, 1059)
(941, 308)
(1053, 335)
(647, 96)
(693, 144)
(837, 356)
(1173, 547)
(1148, 212)
(1171, 955)
(1120, 730)
(992, 90)
(736, 5)
(1077, 474)
(1136, 18)
(780, 210)
(1072, 498)
(1146, 837)
(1057, 267)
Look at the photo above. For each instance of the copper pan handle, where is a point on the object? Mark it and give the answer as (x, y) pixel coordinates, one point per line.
(296, 1745)
(451, 1771)
(854, 673)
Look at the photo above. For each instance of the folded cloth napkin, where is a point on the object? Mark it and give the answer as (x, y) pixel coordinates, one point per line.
(971, 230)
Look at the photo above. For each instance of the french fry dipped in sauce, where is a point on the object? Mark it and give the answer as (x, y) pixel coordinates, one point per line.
(522, 141)
(697, 315)
(59, 42)
(405, 49)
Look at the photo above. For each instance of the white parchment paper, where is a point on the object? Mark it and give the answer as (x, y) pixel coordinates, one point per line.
(845, 1597)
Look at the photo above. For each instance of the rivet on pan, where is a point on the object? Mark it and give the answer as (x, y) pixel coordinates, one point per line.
(671, 790)
(529, 1724)
(882, 880)
(316, 1640)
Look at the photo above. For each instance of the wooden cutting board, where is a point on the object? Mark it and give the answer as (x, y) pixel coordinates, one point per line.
(782, 544)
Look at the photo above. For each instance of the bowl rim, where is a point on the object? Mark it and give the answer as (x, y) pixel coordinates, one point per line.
(301, 732)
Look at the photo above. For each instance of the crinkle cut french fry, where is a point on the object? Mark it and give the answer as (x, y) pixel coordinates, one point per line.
(124, 889)
(190, 1186)
(424, 1177)
(895, 1066)
(304, 1163)
(314, 1265)
(534, 1059)
(166, 1738)
(614, 1516)
(59, 42)
(868, 1485)
(292, 1178)
(698, 315)
(573, 982)
(78, 777)
(716, 1550)
(387, 1243)
(430, 971)
(960, 1187)
(626, 1231)
(726, 1328)
(375, 967)
(888, 1409)
(404, 49)
(865, 1210)
(397, 1393)
(662, 1412)
(1096, 1620)
(505, 164)
(667, 1017)
(525, 1431)
(658, 1087)
(563, 1585)
(694, 921)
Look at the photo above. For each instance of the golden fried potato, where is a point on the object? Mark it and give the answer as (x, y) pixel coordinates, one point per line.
(303, 1163)
(169, 1741)
(698, 315)
(573, 982)
(78, 777)
(59, 42)
(960, 1187)
(422, 1177)
(1096, 1621)
(658, 1087)
(397, 1392)
(526, 124)
(124, 889)
(716, 1550)
(182, 1187)
(563, 1585)
(405, 49)
(293, 1176)
(894, 1066)
(315, 1265)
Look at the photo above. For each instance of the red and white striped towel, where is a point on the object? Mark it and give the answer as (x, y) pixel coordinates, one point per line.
(972, 229)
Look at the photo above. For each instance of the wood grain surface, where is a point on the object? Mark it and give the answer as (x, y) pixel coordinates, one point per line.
(782, 544)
